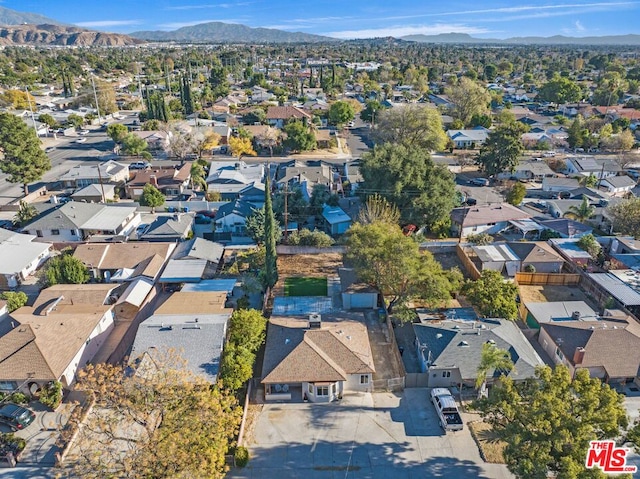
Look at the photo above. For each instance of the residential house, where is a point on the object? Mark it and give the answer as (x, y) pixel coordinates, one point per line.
(109, 172)
(230, 178)
(451, 351)
(75, 221)
(295, 175)
(169, 180)
(489, 219)
(20, 257)
(194, 324)
(618, 185)
(535, 314)
(570, 251)
(119, 262)
(201, 249)
(566, 227)
(529, 170)
(609, 349)
(318, 359)
(231, 218)
(156, 139)
(588, 166)
(178, 272)
(471, 138)
(54, 338)
(95, 193)
(513, 257)
(559, 185)
(172, 228)
(278, 116)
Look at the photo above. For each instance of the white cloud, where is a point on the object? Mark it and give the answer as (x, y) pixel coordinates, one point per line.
(580, 26)
(108, 23)
(403, 30)
(208, 5)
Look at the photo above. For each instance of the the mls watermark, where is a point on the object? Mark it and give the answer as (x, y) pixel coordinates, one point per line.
(606, 456)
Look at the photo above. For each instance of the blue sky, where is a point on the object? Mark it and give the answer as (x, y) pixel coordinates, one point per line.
(353, 18)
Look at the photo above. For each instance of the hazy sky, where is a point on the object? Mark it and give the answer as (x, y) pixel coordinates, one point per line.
(352, 18)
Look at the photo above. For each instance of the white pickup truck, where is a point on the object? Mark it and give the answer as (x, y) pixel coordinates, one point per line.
(447, 410)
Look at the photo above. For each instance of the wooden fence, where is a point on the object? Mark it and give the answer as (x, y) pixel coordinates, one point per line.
(554, 279)
(469, 266)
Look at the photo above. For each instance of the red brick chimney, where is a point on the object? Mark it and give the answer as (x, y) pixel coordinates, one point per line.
(578, 355)
(153, 179)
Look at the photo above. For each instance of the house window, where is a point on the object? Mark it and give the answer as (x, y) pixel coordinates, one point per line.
(446, 374)
(364, 379)
(39, 234)
(559, 354)
(55, 232)
(310, 388)
(322, 391)
(8, 386)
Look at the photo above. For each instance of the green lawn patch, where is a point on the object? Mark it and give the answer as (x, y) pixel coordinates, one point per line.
(305, 287)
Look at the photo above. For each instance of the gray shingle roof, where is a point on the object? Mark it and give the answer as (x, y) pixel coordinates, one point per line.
(199, 248)
(461, 347)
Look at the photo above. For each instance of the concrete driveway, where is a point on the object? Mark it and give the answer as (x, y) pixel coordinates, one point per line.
(379, 435)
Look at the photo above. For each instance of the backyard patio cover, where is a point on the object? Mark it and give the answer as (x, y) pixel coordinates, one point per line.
(525, 226)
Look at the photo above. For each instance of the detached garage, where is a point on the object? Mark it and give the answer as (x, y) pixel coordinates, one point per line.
(356, 295)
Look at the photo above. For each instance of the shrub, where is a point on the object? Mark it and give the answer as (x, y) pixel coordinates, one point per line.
(241, 456)
(530, 268)
(51, 394)
(14, 299)
(305, 237)
(19, 398)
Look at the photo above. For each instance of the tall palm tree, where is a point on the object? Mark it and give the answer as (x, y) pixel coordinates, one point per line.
(493, 358)
(581, 213)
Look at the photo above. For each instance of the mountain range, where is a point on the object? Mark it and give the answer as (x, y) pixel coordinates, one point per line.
(32, 28)
(218, 32)
(461, 38)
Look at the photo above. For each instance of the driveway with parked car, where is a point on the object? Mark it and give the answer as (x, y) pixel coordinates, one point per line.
(364, 435)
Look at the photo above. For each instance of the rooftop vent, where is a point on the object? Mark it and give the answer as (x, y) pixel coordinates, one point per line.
(315, 321)
(53, 305)
(438, 336)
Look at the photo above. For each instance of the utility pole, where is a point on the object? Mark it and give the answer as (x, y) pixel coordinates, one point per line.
(95, 95)
(286, 213)
(33, 118)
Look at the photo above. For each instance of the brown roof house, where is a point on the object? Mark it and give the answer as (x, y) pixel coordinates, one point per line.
(170, 181)
(317, 358)
(490, 219)
(279, 115)
(609, 348)
(55, 337)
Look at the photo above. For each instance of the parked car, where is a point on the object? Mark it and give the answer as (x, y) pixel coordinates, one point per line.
(447, 409)
(81, 140)
(49, 149)
(202, 219)
(15, 416)
(471, 202)
(139, 165)
(351, 124)
(142, 227)
(479, 182)
(83, 132)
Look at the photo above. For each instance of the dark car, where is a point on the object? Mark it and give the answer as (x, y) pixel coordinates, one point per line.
(202, 219)
(17, 417)
(471, 202)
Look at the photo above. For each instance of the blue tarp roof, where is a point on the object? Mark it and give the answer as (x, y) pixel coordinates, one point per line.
(211, 285)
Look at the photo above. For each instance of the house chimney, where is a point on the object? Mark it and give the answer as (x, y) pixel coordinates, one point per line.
(154, 180)
(315, 321)
(578, 356)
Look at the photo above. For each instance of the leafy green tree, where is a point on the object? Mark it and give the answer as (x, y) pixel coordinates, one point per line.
(247, 329)
(378, 209)
(117, 132)
(626, 217)
(14, 299)
(483, 120)
(581, 213)
(241, 146)
(340, 113)
(152, 197)
(270, 226)
(299, 137)
(468, 98)
(493, 359)
(623, 141)
(22, 158)
(65, 269)
(501, 152)
(75, 121)
(236, 366)
(547, 422)
(26, 212)
(134, 145)
(560, 90)
(413, 126)
(218, 81)
(391, 262)
(175, 423)
(492, 296)
(371, 110)
(48, 120)
(408, 179)
(305, 237)
(149, 125)
(257, 115)
(255, 226)
(590, 244)
(516, 194)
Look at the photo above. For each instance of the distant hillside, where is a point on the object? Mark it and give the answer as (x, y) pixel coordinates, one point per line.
(61, 35)
(13, 17)
(218, 32)
(462, 38)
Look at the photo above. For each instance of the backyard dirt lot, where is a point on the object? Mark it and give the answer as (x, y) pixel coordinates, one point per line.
(318, 265)
(549, 293)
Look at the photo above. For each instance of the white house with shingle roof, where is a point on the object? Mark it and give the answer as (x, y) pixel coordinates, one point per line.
(319, 359)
